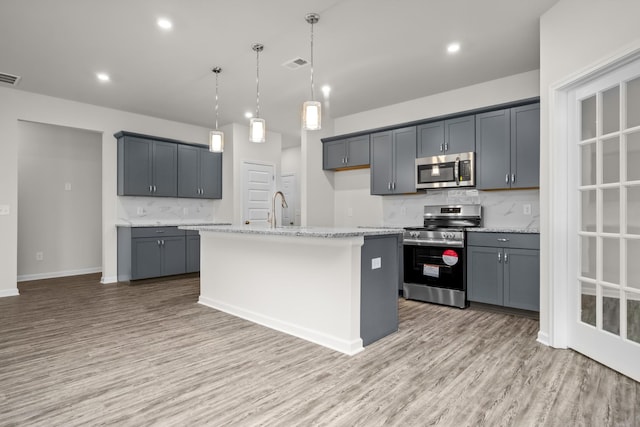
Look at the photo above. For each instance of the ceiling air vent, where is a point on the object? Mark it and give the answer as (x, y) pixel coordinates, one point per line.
(295, 63)
(9, 79)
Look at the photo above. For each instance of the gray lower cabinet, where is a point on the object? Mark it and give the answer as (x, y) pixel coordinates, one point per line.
(446, 137)
(345, 153)
(147, 252)
(146, 167)
(379, 287)
(193, 251)
(508, 148)
(504, 269)
(393, 155)
(199, 173)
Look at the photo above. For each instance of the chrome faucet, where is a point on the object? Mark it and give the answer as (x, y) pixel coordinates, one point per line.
(272, 219)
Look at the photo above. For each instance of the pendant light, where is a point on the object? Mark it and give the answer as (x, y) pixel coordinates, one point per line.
(257, 130)
(311, 110)
(216, 137)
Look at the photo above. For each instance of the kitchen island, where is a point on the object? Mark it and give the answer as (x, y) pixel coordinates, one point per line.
(336, 287)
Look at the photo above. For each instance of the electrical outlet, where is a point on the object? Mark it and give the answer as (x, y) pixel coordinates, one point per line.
(350, 212)
(140, 210)
(403, 211)
(376, 263)
(67, 186)
(39, 256)
(4, 210)
(185, 211)
(526, 209)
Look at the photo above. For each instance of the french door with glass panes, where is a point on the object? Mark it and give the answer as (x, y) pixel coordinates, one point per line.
(604, 131)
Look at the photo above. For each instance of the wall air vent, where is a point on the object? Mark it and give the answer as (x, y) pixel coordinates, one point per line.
(295, 63)
(9, 79)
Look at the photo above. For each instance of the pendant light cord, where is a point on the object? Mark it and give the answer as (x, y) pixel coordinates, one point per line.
(217, 71)
(312, 88)
(258, 49)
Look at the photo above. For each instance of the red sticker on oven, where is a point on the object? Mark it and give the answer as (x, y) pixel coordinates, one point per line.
(450, 257)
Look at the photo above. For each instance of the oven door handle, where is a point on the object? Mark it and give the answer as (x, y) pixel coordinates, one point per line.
(456, 170)
(435, 243)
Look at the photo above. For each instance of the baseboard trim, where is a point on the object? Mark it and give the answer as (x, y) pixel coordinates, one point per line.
(334, 343)
(52, 275)
(543, 338)
(9, 293)
(106, 280)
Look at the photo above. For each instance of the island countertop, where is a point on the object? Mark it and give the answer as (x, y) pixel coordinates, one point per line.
(326, 232)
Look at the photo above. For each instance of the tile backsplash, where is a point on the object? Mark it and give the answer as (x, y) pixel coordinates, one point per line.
(164, 209)
(499, 208)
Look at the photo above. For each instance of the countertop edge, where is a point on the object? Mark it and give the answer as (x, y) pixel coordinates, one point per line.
(299, 232)
(503, 230)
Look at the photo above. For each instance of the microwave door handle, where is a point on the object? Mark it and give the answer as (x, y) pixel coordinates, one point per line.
(456, 171)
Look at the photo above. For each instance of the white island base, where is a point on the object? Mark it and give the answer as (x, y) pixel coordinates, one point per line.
(304, 285)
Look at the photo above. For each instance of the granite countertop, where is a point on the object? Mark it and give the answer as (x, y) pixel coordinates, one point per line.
(327, 232)
(166, 223)
(504, 230)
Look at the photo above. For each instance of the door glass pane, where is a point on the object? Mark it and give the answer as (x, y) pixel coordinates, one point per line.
(633, 103)
(633, 317)
(633, 156)
(633, 263)
(611, 210)
(611, 260)
(588, 258)
(588, 153)
(588, 118)
(611, 310)
(588, 303)
(633, 210)
(611, 110)
(589, 210)
(611, 160)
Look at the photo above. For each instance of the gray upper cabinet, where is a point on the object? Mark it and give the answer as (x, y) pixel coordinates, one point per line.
(346, 153)
(508, 148)
(504, 269)
(147, 167)
(199, 173)
(393, 155)
(446, 137)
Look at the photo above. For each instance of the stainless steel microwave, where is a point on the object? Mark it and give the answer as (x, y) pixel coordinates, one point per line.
(450, 170)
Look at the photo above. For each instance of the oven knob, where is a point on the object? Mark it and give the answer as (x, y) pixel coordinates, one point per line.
(415, 234)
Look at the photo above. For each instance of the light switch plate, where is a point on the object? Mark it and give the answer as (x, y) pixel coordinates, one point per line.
(376, 263)
(4, 210)
(526, 209)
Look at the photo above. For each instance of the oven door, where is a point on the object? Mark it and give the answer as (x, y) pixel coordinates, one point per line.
(438, 266)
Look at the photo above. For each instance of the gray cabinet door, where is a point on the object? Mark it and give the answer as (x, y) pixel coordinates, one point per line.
(485, 275)
(135, 167)
(193, 253)
(430, 139)
(493, 156)
(404, 164)
(165, 169)
(525, 146)
(460, 135)
(358, 151)
(173, 255)
(381, 163)
(210, 169)
(145, 258)
(522, 279)
(334, 154)
(188, 171)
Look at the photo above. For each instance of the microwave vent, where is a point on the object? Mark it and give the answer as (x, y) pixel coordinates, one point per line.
(9, 79)
(295, 63)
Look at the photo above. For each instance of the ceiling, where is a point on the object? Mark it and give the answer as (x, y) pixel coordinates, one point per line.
(371, 52)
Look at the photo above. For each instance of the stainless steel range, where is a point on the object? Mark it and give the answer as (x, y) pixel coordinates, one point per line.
(434, 255)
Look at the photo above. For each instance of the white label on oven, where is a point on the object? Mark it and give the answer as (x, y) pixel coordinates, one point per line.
(431, 270)
(450, 257)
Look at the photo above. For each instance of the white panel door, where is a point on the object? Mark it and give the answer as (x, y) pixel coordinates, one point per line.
(289, 190)
(258, 183)
(604, 184)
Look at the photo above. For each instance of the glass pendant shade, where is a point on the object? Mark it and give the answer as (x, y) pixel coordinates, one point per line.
(257, 130)
(311, 115)
(216, 141)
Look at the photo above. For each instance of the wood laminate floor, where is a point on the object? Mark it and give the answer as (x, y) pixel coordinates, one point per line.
(74, 352)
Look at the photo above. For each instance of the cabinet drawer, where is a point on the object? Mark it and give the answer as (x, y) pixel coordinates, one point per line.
(156, 232)
(192, 232)
(504, 240)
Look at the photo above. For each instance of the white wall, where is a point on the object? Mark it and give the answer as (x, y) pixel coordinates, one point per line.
(316, 185)
(353, 203)
(63, 223)
(291, 164)
(17, 105)
(574, 35)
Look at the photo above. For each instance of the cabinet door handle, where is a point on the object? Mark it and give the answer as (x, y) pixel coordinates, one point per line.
(513, 178)
(388, 186)
(441, 147)
(506, 257)
(503, 240)
(446, 146)
(158, 242)
(506, 178)
(151, 189)
(346, 160)
(155, 189)
(393, 187)
(499, 256)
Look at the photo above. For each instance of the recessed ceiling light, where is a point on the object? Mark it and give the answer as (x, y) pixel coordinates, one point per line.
(326, 90)
(164, 23)
(248, 114)
(453, 47)
(103, 77)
